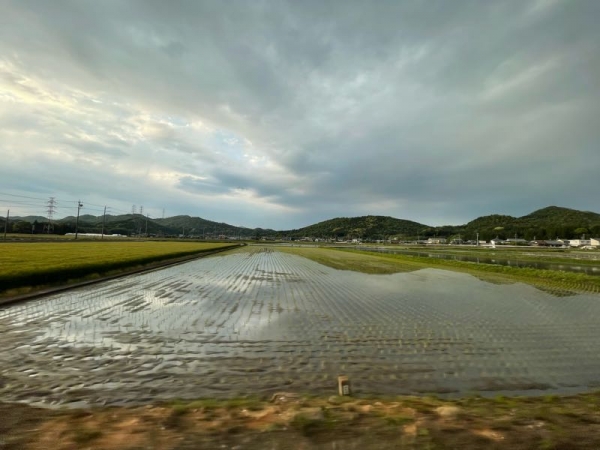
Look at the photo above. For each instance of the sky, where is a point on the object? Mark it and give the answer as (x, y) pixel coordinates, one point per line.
(280, 114)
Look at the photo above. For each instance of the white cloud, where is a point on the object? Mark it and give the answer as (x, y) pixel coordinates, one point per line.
(280, 114)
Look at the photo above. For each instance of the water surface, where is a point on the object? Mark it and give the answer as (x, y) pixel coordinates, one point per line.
(577, 268)
(260, 322)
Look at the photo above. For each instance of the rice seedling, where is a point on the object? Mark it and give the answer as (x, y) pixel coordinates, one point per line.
(41, 263)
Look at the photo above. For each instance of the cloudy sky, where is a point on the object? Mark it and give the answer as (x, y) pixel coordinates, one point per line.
(282, 114)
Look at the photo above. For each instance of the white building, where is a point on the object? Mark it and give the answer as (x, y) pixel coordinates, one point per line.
(517, 241)
(595, 242)
(579, 242)
(436, 240)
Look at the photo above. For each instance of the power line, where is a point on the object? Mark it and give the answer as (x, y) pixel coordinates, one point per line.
(22, 202)
(87, 203)
(22, 196)
(27, 205)
(118, 210)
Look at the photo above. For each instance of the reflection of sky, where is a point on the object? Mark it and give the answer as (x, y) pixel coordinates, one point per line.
(245, 303)
(282, 307)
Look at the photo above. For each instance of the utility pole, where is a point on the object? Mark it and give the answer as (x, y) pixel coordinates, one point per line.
(6, 223)
(478, 239)
(140, 222)
(79, 206)
(103, 222)
(146, 225)
(133, 218)
(163, 216)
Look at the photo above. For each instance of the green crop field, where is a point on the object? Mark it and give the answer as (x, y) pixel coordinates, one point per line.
(26, 265)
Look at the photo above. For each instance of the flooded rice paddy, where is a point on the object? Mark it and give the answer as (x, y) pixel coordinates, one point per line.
(256, 322)
(576, 268)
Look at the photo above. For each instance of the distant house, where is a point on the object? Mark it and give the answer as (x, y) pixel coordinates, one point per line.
(595, 242)
(554, 244)
(517, 241)
(579, 242)
(497, 241)
(436, 240)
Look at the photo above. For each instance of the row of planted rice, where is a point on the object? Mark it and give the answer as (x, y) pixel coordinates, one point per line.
(259, 321)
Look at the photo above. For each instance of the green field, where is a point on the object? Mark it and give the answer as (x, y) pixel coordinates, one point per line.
(532, 254)
(27, 265)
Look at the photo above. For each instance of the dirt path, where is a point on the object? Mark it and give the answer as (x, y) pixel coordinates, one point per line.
(289, 421)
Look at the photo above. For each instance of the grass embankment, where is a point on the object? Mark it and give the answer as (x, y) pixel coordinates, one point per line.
(290, 421)
(521, 254)
(554, 281)
(37, 237)
(28, 266)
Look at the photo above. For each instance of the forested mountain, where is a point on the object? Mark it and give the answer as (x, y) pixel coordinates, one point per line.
(559, 216)
(365, 227)
(137, 224)
(546, 223)
(203, 227)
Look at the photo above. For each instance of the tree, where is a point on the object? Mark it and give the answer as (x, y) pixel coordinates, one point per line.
(21, 227)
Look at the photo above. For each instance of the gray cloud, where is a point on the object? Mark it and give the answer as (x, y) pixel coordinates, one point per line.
(280, 114)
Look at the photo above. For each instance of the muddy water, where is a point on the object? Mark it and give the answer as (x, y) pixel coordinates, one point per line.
(259, 322)
(586, 269)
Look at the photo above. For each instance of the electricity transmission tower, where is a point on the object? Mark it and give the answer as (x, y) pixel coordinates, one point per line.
(50, 209)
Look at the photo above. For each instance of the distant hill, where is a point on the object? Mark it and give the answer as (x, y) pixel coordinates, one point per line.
(545, 223)
(129, 224)
(203, 227)
(29, 219)
(557, 214)
(492, 221)
(366, 227)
